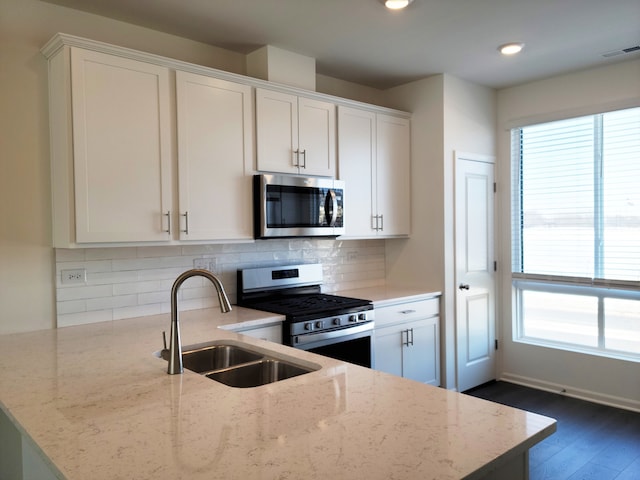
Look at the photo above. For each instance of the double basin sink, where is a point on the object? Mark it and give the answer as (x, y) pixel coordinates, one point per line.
(235, 365)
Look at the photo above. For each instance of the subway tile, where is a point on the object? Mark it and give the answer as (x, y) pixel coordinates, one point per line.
(110, 253)
(163, 251)
(141, 311)
(112, 278)
(70, 255)
(84, 292)
(148, 273)
(111, 302)
(154, 297)
(71, 306)
(84, 318)
(126, 288)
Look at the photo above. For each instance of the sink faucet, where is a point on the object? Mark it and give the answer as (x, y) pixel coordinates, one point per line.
(175, 347)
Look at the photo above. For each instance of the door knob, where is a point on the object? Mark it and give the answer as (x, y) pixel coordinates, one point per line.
(464, 286)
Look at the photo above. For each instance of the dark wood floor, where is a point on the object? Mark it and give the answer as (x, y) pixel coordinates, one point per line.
(593, 442)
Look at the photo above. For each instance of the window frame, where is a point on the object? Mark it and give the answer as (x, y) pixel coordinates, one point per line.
(598, 288)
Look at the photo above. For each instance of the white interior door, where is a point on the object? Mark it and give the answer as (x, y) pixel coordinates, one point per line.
(475, 275)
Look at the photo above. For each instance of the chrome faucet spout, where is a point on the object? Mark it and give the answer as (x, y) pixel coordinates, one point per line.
(175, 347)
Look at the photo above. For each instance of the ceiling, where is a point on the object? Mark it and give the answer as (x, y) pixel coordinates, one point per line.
(363, 42)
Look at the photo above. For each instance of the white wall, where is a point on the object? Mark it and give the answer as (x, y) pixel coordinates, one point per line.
(588, 376)
(448, 114)
(27, 265)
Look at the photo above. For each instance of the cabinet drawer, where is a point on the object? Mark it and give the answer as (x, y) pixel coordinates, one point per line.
(404, 312)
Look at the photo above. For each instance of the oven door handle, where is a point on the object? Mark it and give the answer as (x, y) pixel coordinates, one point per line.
(331, 207)
(301, 340)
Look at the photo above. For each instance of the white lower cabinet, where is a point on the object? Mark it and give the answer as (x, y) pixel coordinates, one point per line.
(272, 333)
(407, 340)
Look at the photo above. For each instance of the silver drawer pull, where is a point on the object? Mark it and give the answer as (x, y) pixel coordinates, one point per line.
(407, 312)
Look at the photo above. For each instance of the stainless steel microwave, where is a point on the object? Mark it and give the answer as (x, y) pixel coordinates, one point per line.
(295, 206)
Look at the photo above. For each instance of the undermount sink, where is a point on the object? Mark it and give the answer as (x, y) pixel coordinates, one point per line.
(215, 357)
(240, 367)
(258, 373)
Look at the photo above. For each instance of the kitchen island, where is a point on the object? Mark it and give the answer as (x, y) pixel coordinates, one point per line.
(95, 402)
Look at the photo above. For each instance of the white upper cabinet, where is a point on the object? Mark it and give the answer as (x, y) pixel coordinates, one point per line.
(121, 166)
(215, 156)
(150, 150)
(295, 134)
(374, 161)
(393, 175)
(356, 166)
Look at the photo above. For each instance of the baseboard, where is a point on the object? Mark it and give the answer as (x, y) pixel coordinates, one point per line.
(569, 391)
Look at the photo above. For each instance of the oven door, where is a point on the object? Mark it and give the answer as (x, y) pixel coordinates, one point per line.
(353, 344)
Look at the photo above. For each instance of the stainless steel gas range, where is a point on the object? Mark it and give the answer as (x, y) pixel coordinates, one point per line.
(331, 325)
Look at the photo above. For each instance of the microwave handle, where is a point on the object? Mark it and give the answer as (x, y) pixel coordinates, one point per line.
(333, 201)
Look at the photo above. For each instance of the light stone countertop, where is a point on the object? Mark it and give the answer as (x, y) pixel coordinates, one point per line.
(99, 405)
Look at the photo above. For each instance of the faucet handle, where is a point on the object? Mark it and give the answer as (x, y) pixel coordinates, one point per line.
(164, 353)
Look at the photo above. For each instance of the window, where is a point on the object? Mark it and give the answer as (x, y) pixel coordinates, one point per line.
(576, 233)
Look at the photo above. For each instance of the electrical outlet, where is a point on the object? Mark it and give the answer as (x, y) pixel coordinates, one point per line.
(74, 276)
(201, 263)
(206, 263)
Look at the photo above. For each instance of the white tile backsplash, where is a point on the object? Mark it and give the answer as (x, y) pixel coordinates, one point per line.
(127, 282)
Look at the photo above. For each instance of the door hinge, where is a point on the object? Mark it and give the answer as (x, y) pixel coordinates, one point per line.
(495, 266)
(495, 187)
(496, 343)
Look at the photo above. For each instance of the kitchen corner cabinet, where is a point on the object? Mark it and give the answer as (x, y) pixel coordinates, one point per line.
(271, 333)
(407, 340)
(295, 135)
(111, 148)
(215, 157)
(374, 161)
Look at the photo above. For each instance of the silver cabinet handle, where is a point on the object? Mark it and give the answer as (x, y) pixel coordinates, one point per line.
(379, 222)
(406, 312)
(409, 336)
(304, 159)
(168, 215)
(186, 223)
(464, 286)
(295, 158)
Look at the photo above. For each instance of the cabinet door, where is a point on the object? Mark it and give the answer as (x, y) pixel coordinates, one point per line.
(356, 160)
(121, 147)
(215, 151)
(421, 357)
(276, 131)
(316, 137)
(393, 158)
(388, 350)
(272, 333)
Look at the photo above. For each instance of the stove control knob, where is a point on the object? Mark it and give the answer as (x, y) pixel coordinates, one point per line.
(337, 321)
(318, 324)
(308, 326)
(362, 316)
(353, 318)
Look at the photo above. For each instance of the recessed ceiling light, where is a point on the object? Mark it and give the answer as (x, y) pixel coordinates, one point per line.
(510, 48)
(396, 4)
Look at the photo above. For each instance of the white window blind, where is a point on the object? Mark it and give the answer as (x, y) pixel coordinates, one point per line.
(576, 199)
(576, 233)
